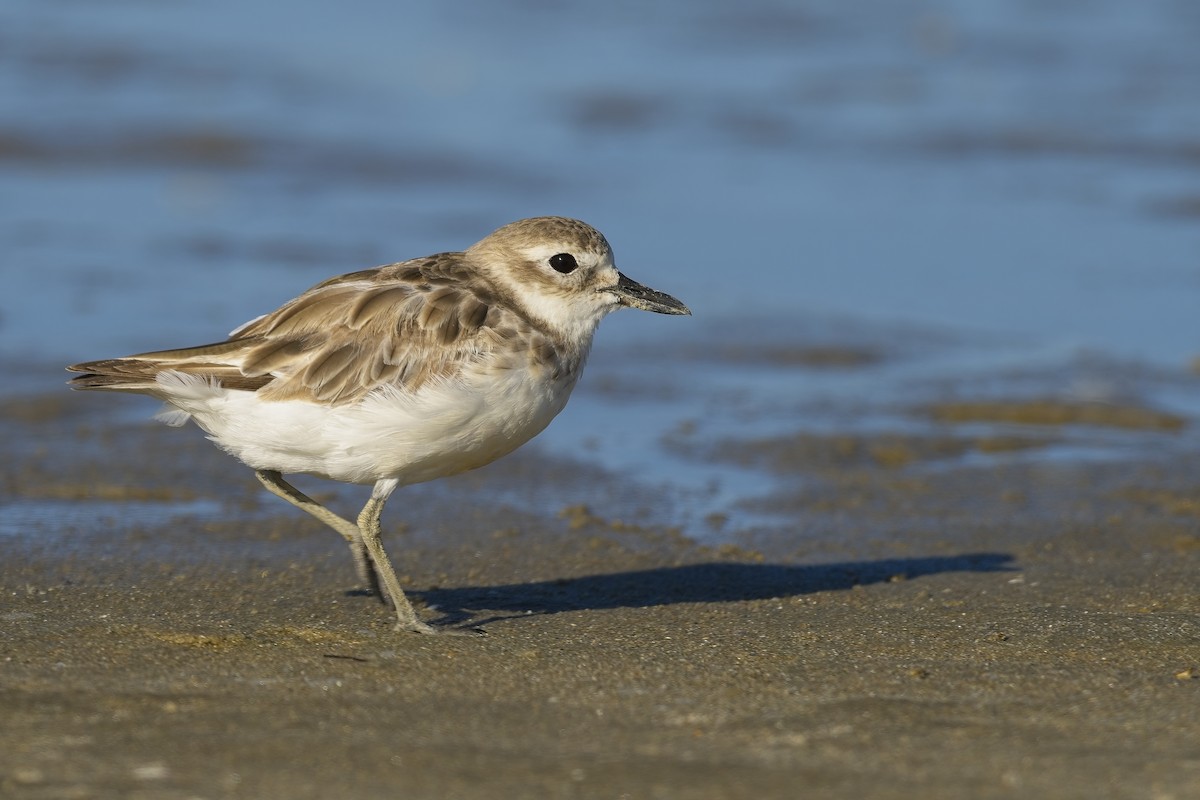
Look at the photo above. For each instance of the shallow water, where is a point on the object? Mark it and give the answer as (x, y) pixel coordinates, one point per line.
(993, 200)
(55, 520)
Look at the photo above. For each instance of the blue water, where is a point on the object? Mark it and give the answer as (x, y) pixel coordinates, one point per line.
(1020, 180)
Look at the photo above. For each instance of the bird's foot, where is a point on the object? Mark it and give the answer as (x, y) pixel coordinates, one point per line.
(417, 626)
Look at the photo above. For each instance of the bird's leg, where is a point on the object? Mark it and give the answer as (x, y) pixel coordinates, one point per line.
(372, 537)
(276, 485)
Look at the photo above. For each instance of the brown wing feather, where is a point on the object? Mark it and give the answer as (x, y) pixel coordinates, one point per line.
(403, 324)
(404, 335)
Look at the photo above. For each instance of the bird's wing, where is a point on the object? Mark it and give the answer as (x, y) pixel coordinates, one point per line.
(400, 325)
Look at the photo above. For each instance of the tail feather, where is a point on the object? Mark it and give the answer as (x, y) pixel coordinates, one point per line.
(116, 374)
(139, 374)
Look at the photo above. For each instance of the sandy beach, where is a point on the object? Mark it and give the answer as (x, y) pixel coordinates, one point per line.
(1033, 634)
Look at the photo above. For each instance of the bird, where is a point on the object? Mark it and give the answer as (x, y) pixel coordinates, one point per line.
(397, 375)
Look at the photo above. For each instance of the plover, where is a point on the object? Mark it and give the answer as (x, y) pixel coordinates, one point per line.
(399, 374)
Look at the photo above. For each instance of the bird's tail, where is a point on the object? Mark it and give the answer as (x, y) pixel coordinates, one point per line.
(140, 373)
(117, 375)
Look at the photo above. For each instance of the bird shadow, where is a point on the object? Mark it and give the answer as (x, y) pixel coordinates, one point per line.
(711, 582)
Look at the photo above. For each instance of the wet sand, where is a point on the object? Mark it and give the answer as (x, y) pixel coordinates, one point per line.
(1017, 629)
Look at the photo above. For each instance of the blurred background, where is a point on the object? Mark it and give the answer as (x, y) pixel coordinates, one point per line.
(859, 201)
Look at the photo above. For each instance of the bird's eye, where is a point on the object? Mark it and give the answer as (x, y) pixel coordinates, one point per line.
(563, 262)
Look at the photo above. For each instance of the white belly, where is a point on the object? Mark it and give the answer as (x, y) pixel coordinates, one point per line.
(441, 430)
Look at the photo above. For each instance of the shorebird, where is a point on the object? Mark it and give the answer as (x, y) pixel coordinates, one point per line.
(399, 374)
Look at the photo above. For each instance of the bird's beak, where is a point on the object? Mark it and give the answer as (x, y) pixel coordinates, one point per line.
(633, 294)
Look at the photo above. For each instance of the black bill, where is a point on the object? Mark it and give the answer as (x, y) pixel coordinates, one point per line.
(633, 294)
